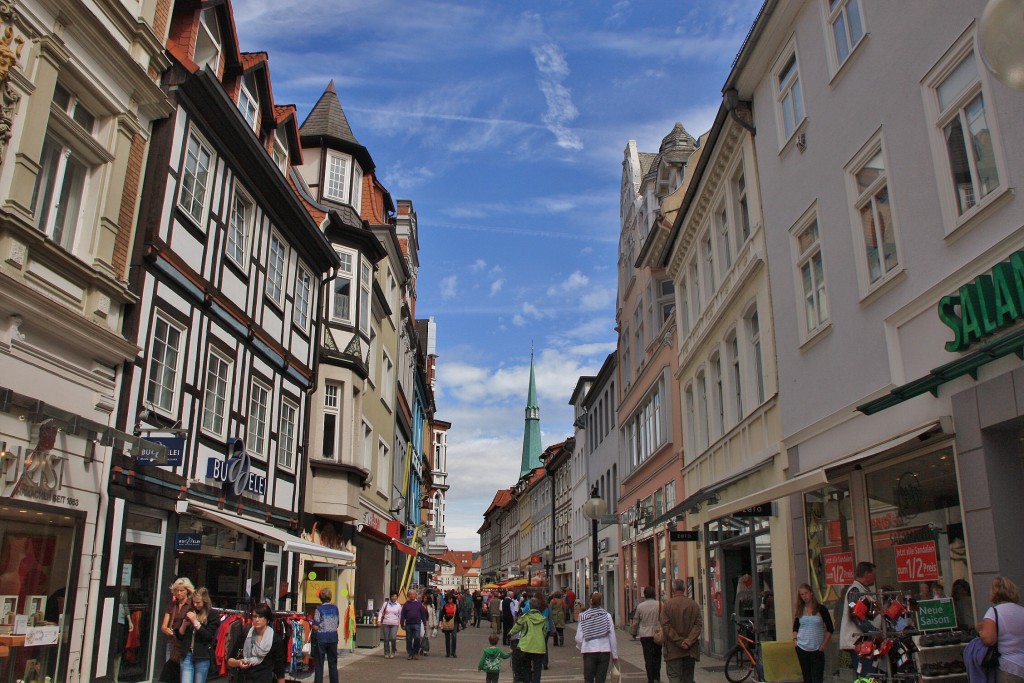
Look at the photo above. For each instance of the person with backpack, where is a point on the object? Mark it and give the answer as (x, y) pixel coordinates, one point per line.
(490, 659)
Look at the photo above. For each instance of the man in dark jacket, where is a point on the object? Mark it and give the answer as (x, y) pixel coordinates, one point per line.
(509, 611)
(681, 624)
(414, 617)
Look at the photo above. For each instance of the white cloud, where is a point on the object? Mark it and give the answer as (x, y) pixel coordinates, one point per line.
(478, 265)
(449, 286)
(573, 283)
(553, 70)
(518, 320)
(497, 285)
(531, 310)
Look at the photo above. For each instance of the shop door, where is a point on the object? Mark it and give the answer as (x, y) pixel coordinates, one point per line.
(141, 601)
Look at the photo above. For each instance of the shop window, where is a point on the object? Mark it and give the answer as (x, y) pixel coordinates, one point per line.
(917, 531)
(35, 568)
(830, 541)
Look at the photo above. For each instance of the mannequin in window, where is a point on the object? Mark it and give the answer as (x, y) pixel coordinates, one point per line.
(744, 607)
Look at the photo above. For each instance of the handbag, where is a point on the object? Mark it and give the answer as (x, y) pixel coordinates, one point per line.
(990, 662)
(659, 635)
(613, 673)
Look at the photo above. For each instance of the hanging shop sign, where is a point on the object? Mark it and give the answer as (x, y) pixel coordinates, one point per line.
(981, 308)
(917, 561)
(839, 569)
(236, 472)
(188, 541)
(684, 536)
(175, 451)
(935, 614)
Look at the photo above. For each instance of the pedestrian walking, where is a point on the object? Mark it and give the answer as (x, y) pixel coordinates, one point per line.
(595, 639)
(1003, 625)
(326, 620)
(557, 607)
(509, 612)
(197, 634)
(860, 616)
(532, 629)
(174, 615)
(812, 631)
(494, 612)
(570, 602)
(478, 608)
(451, 623)
(429, 627)
(681, 623)
(643, 625)
(490, 659)
(389, 618)
(414, 616)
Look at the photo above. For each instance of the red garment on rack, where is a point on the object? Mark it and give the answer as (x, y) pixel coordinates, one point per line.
(133, 642)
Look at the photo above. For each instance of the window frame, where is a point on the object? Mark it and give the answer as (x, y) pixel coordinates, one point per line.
(190, 186)
(830, 15)
(213, 36)
(353, 257)
(938, 118)
(801, 257)
(861, 199)
(249, 103)
(342, 194)
(276, 276)
(302, 314)
(263, 435)
(227, 379)
(335, 408)
(175, 389)
(365, 294)
(292, 450)
(782, 90)
(53, 175)
(239, 195)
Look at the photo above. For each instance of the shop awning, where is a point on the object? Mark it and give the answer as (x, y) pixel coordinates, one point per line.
(707, 493)
(402, 547)
(816, 478)
(268, 534)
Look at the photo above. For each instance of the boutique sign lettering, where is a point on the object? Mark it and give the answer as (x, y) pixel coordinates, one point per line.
(992, 302)
(235, 472)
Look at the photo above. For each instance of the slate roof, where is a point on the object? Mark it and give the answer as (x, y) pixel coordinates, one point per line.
(646, 162)
(327, 119)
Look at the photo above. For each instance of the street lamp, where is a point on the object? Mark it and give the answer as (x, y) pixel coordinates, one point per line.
(594, 509)
(999, 36)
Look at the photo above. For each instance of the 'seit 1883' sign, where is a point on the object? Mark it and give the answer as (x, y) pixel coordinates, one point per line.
(236, 471)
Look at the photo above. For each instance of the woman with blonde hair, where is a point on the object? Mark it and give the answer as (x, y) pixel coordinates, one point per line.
(1003, 624)
(198, 635)
(812, 631)
(181, 595)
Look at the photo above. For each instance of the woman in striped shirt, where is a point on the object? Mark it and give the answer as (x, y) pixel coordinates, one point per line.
(812, 629)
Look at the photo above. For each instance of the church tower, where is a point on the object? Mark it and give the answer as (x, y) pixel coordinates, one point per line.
(531, 432)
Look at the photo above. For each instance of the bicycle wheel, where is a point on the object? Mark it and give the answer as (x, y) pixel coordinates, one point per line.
(738, 666)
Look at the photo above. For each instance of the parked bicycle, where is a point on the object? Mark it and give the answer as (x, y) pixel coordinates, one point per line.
(745, 658)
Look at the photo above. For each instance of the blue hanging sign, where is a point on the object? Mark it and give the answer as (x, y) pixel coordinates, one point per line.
(175, 451)
(188, 541)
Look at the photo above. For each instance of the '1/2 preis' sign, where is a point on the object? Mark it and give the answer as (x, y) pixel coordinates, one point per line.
(916, 562)
(990, 303)
(838, 569)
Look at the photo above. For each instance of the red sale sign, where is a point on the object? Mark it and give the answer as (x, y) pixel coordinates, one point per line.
(839, 569)
(917, 561)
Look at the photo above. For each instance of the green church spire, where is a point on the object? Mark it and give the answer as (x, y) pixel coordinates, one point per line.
(531, 431)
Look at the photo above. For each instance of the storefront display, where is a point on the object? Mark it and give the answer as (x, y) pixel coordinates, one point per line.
(37, 547)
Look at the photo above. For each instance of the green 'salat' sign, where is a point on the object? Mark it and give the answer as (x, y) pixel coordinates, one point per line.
(986, 305)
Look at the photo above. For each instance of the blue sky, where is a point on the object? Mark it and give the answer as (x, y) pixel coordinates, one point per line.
(505, 123)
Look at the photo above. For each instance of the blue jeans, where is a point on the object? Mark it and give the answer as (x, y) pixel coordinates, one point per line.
(194, 671)
(326, 652)
(412, 639)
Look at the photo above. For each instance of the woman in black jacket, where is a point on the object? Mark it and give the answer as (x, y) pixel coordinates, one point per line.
(197, 635)
(258, 655)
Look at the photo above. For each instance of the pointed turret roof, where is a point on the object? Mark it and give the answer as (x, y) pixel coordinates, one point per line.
(327, 119)
(531, 431)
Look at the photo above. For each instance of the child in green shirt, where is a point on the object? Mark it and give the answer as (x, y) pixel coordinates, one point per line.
(490, 659)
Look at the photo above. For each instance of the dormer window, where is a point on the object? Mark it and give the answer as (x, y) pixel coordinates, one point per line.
(208, 43)
(336, 182)
(280, 152)
(248, 102)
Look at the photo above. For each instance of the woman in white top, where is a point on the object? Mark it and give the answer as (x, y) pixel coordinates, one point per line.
(1004, 623)
(390, 615)
(595, 638)
(812, 631)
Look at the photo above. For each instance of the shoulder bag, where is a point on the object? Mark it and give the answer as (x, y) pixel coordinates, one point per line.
(659, 633)
(990, 662)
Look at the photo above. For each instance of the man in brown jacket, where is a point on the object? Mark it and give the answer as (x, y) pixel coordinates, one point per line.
(681, 624)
